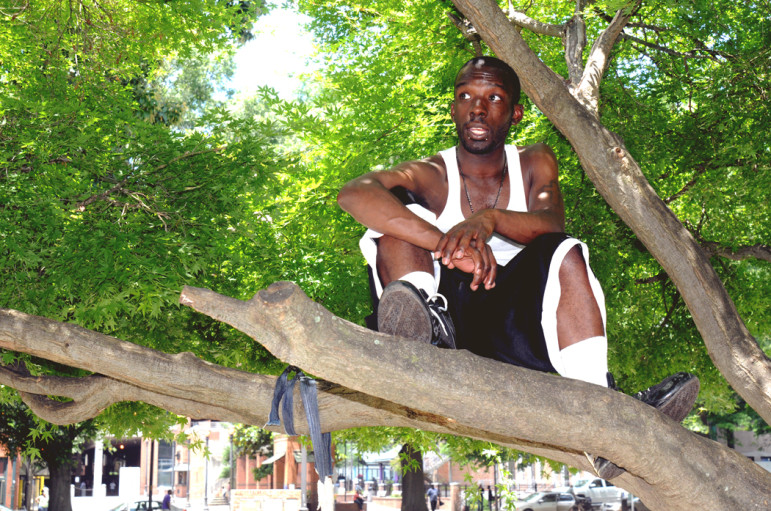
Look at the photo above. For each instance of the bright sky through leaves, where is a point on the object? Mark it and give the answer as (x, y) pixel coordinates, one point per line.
(276, 56)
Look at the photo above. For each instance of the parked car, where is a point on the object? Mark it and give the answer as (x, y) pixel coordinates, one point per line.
(547, 501)
(600, 492)
(137, 505)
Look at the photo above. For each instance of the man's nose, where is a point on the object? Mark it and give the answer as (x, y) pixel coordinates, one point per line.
(479, 108)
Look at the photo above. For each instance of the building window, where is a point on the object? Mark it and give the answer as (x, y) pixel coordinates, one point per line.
(3, 467)
(165, 463)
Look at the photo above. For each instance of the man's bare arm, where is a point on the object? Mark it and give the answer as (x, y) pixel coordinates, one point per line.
(369, 200)
(545, 208)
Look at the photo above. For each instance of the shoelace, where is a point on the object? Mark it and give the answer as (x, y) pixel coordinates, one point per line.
(438, 319)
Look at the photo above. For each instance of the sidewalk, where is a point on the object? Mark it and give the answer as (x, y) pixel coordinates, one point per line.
(108, 503)
(182, 505)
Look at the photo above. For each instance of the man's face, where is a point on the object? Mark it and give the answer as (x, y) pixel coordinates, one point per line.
(482, 109)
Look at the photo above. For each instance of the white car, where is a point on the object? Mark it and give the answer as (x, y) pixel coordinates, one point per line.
(600, 491)
(547, 501)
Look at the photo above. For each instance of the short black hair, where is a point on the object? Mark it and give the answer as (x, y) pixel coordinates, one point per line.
(510, 78)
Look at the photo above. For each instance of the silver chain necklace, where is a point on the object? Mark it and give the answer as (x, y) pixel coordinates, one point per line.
(500, 186)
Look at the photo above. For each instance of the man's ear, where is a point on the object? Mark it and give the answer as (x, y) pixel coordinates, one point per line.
(517, 114)
(452, 110)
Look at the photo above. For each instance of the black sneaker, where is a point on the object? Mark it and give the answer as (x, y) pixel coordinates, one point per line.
(407, 311)
(674, 397)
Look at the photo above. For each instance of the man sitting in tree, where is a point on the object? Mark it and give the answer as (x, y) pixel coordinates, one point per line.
(467, 250)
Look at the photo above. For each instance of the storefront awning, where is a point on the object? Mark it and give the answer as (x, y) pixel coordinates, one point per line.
(273, 458)
(181, 467)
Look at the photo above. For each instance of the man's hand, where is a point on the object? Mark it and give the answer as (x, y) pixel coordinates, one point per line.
(465, 247)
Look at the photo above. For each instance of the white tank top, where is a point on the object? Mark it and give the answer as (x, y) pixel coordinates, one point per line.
(503, 248)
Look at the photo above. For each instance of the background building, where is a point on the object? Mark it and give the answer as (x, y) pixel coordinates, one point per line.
(13, 486)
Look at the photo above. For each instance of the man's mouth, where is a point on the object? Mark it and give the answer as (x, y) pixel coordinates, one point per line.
(477, 132)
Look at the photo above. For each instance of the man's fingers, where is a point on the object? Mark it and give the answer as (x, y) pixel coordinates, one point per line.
(455, 244)
(493, 273)
(480, 267)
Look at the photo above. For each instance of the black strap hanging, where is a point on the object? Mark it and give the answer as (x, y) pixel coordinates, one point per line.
(284, 391)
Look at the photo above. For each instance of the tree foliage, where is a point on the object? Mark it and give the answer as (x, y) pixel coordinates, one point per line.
(251, 441)
(107, 209)
(22, 431)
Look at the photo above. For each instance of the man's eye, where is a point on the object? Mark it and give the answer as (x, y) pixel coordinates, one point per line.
(495, 97)
(463, 95)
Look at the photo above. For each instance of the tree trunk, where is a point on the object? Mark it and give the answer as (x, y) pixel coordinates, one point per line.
(667, 466)
(29, 471)
(619, 179)
(413, 482)
(59, 485)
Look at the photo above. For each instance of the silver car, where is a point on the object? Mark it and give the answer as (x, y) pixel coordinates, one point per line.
(547, 501)
(139, 505)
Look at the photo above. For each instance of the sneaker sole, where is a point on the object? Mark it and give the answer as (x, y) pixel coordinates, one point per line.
(402, 311)
(680, 404)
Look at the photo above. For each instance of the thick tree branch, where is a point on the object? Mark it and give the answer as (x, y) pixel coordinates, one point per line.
(188, 386)
(394, 384)
(581, 416)
(574, 40)
(90, 395)
(522, 20)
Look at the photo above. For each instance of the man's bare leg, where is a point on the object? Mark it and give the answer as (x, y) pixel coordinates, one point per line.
(580, 329)
(578, 315)
(397, 258)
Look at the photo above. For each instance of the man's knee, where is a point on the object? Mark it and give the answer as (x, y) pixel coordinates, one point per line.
(396, 258)
(574, 261)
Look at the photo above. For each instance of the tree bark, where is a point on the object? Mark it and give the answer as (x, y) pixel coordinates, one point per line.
(59, 485)
(669, 467)
(620, 181)
(413, 484)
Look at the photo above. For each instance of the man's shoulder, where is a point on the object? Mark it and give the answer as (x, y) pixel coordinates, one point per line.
(537, 149)
(434, 164)
(426, 175)
(537, 157)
